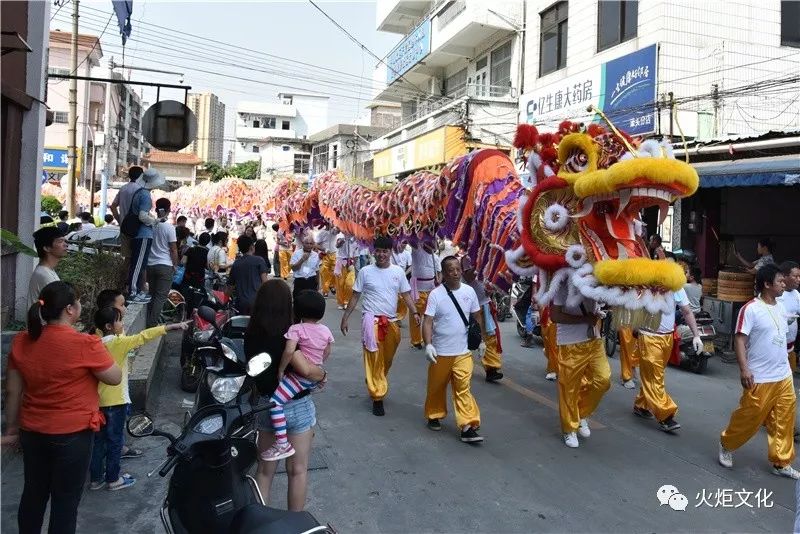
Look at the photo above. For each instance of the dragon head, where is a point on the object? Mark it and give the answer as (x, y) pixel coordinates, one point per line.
(580, 225)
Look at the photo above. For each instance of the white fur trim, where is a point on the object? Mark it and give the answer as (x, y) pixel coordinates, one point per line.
(556, 217)
(512, 257)
(523, 199)
(575, 255)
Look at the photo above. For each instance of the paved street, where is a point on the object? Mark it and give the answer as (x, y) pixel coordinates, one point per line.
(391, 474)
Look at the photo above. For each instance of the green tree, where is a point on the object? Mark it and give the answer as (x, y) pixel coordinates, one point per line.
(246, 171)
(51, 205)
(215, 171)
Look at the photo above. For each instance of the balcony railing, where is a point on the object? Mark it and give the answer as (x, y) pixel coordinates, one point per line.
(472, 90)
(449, 13)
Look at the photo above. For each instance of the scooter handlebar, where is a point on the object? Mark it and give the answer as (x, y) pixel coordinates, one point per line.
(169, 465)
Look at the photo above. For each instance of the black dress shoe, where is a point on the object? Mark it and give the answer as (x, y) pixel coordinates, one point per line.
(493, 375)
(377, 408)
(434, 425)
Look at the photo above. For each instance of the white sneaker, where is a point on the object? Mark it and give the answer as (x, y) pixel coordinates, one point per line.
(571, 440)
(583, 429)
(629, 384)
(788, 472)
(725, 457)
(339, 307)
(551, 377)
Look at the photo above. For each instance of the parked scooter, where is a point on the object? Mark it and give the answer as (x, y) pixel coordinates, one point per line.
(210, 491)
(210, 342)
(683, 354)
(205, 296)
(525, 316)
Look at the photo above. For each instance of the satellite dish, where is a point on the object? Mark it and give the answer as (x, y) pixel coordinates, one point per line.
(169, 125)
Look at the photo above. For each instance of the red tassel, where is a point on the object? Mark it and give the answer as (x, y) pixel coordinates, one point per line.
(526, 137)
(595, 129)
(549, 154)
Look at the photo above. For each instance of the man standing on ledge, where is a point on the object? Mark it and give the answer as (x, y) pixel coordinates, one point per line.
(381, 284)
(768, 398)
(448, 352)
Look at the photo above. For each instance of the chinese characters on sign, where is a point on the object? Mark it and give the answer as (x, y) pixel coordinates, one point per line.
(567, 98)
(730, 498)
(57, 159)
(409, 52)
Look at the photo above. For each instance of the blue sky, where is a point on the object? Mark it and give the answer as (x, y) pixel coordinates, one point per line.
(293, 30)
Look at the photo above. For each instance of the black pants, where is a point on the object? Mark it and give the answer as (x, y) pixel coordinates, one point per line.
(305, 283)
(55, 470)
(140, 251)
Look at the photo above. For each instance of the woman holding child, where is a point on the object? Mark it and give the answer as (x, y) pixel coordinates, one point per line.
(270, 320)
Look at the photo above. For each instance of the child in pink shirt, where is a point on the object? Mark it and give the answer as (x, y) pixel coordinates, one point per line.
(314, 341)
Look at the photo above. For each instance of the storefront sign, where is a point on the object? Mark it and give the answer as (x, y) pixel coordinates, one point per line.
(55, 159)
(630, 91)
(624, 88)
(433, 148)
(411, 50)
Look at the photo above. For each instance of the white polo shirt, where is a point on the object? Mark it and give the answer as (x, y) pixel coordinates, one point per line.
(765, 327)
(449, 332)
(790, 300)
(326, 240)
(667, 325)
(424, 267)
(570, 334)
(310, 266)
(402, 259)
(379, 289)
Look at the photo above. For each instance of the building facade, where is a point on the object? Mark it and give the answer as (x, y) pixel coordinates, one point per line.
(704, 70)
(456, 74)
(345, 147)
(210, 113)
(179, 169)
(23, 115)
(276, 133)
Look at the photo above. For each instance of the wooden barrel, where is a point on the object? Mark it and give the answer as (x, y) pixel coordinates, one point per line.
(710, 287)
(735, 286)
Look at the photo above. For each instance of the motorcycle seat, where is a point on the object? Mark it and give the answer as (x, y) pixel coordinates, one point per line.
(259, 519)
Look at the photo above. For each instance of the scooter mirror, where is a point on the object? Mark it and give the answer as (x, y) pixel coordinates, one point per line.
(207, 314)
(258, 364)
(140, 426)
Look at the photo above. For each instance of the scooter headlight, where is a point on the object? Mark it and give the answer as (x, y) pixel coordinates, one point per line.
(209, 425)
(225, 389)
(229, 353)
(203, 336)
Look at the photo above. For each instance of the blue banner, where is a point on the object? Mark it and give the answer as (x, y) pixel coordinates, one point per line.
(124, 10)
(629, 91)
(55, 159)
(409, 52)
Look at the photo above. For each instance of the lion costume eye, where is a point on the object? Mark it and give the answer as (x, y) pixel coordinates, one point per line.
(577, 153)
(577, 161)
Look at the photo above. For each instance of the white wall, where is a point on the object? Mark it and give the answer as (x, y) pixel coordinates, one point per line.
(730, 43)
(58, 98)
(312, 114)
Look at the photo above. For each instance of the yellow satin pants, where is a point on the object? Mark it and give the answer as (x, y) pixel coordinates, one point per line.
(654, 352)
(492, 357)
(416, 330)
(457, 371)
(402, 309)
(285, 257)
(344, 285)
(628, 357)
(378, 363)
(771, 404)
(550, 346)
(793, 360)
(328, 280)
(583, 378)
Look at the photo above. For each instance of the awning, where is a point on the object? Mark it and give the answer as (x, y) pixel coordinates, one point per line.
(751, 172)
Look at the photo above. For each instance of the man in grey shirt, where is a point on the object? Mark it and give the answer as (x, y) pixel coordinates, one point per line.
(247, 274)
(51, 246)
(693, 288)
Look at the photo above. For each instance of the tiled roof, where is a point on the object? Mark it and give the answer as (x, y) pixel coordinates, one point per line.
(160, 156)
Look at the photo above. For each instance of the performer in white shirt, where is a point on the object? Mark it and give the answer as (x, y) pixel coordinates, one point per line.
(380, 285)
(426, 274)
(326, 244)
(305, 265)
(768, 398)
(401, 257)
(790, 300)
(584, 375)
(492, 357)
(447, 351)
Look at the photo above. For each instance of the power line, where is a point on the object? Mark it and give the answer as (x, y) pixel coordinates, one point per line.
(89, 53)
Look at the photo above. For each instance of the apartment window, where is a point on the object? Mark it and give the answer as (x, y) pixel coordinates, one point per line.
(285, 125)
(301, 162)
(790, 28)
(60, 117)
(320, 154)
(553, 42)
(255, 149)
(256, 124)
(56, 70)
(500, 75)
(286, 148)
(455, 85)
(335, 156)
(616, 22)
(269, 122)
(287, 100)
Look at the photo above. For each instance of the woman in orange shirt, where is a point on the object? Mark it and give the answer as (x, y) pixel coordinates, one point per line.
(52, 407)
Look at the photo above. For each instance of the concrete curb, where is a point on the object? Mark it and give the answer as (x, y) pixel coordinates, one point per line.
(144, 361)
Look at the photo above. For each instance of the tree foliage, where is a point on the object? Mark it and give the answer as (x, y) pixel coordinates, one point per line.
(246, 171)
(51, 205)
(215, 171)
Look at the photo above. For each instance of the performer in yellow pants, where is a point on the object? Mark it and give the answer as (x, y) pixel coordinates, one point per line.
(771, 404)
(583, 378)
(377, 363)
(628, 357)
(285, 257)
(550, 344)
(344, 285)
(402, 309)
(457, 371)
(492, 359)
(415, 329)
(326, 268)
(654, 352)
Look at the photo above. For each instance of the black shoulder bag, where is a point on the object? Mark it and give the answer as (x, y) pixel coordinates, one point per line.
(474, 337)
(131, 223)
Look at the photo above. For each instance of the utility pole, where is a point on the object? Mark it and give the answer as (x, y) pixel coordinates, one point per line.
(106, 172)
(73, 117)
(715, 98)
(671, 113)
